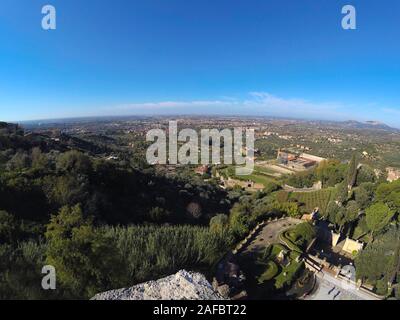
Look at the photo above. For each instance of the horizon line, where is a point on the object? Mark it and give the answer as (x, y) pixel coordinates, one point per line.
(72, 118)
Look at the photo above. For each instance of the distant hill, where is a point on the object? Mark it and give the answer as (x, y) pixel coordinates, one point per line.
(368, 125)
(8, 128)
(12, 136)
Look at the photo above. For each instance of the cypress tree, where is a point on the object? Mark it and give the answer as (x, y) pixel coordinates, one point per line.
(352, 173)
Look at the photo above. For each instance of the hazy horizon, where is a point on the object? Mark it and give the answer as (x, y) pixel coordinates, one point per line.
(121, 117)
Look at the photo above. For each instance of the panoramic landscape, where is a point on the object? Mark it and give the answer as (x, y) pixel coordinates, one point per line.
(80, 196)
(190, 156)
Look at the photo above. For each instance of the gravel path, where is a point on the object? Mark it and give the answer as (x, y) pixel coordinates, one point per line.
(269, 234)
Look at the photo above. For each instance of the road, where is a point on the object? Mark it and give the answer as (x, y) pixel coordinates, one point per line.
(331, 288)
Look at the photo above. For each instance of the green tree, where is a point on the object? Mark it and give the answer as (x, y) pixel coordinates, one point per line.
(342, 192)
(84, 259)
(20, 272)
(389, 193)
(271, 187)
(289, 208)
(364, 194)
(219, 223)
(365, 174)
(7, 227)
(74, 162)
(157, 214)
(339, 215)
(378, 216)
(301, 179)
(240, 218)
(331, 172)
(352, 211)
(340, 218)
(352, 173)
(19, 161)
(302, 234)
(67, 190)
(39, 160)
(331, 210)
(382, 287)
(378, 260)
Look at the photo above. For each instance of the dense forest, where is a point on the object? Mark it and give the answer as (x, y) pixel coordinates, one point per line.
(102, 224)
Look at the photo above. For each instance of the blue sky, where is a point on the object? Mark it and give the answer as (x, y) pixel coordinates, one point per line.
(255, 57)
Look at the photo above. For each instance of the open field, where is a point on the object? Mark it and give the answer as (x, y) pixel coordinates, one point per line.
(257, 178)
(259, 175)
(271, 168)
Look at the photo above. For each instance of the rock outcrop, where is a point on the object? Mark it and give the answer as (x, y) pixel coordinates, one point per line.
(183, 285)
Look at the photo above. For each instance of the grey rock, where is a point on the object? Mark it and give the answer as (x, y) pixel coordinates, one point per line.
(183, 285)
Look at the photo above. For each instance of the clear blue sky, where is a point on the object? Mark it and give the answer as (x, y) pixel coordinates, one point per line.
(267, 57)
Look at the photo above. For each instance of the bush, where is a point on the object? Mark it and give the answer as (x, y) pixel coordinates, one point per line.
(301, 235)
(271, 187)
(152, 252)
(7, 227)
(288, 274)
(377, 260)
(20, 272)
(382, 287)
(271, 271)
(84, 258)
(397, 293)
(219, 223)
(157, 214)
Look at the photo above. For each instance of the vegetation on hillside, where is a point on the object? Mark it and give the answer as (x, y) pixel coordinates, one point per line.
(107, 223)
(100, 223)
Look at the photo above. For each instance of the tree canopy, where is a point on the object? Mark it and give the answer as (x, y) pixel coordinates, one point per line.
(378, 217)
